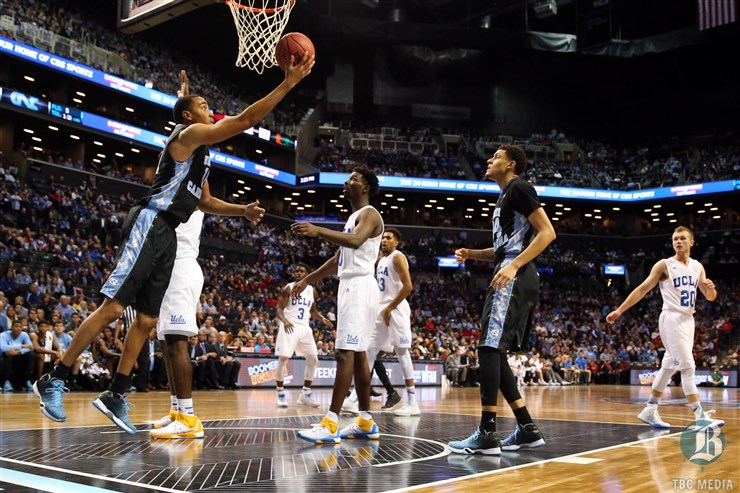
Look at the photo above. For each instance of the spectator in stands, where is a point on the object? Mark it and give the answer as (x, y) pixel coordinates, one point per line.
(18, 358)
(453, 368)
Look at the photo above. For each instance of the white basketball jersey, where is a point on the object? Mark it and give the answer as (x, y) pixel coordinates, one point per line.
(389, 281)
(188, 236)
(679, 290)
(360, 261)
(48, 344)
(298, 311)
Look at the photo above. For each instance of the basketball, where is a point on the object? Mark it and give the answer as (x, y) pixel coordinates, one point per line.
(295, 44)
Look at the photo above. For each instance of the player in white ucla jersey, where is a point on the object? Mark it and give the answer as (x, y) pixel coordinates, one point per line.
(678, 277)
(392, 329)
(296, 337)
(177, 321)
(357, 302)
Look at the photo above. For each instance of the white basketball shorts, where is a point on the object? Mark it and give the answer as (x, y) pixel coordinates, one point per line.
(357, 309)
(397, 333)
(177, 313)
(300, 341)
(677, 333)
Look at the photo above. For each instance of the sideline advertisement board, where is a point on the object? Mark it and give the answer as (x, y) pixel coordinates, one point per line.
(259, 371)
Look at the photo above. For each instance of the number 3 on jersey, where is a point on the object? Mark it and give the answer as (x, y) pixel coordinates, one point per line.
(381, 284)
(301, 313)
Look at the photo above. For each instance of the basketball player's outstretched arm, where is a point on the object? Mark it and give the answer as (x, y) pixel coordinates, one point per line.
(184, 85)
(707, 287)
(198, 134)
(315, 311)
(657, 273)
(328, 269)
(211, 205)
(463, 254)
(368, 225)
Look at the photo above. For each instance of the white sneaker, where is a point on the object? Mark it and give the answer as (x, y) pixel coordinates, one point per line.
(408, 410)
(650, 416)
(183, 427)
(281, 402)
(356, 430)
(706, 420)
(164, 421)
(351, 406)
(305, 400)
(320, 433)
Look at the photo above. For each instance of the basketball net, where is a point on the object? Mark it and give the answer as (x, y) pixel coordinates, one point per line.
(259, 25)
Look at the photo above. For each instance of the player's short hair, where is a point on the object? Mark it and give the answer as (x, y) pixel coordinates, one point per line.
(44, 322)
(396, 233)
(684, 229)
(182, 104)
(369, 177)
(516, 154)
(304, 265)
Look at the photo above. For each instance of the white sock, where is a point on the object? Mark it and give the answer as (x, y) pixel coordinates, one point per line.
(173, 402)
(411, 395)
(365, 415)
(281, 391)
(306, 391)
(185, 406)
(653, 401)
(332, 416)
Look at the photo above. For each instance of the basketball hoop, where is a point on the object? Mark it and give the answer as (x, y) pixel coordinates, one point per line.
(259, 24)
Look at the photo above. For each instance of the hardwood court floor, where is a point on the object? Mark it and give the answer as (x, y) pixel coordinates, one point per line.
(595, 443)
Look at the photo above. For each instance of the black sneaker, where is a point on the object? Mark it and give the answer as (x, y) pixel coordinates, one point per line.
(528, 436)
(116, 407)
(374, 393)
(393, 399)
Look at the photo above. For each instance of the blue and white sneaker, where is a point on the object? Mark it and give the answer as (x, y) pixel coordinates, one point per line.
(8, 387)
(50, 391)
(116, 407)
(527, 436)
(480, 442)
(281, 402)
(649, 415)
(362, 428)
(322, 432)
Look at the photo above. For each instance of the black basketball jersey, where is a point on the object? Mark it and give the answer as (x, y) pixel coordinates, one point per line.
(177, 185)
(512, 231)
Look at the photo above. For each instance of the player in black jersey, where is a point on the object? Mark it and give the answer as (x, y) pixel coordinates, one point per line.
(146, 257)
(521, 231)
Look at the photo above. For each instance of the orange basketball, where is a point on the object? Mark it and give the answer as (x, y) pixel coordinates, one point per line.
(296, 44)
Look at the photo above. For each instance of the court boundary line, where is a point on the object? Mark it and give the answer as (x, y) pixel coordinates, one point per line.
(521, 466)
(72, 472)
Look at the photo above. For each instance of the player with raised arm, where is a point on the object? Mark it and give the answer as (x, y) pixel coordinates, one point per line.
(146, 258)
(678, 278)
(296, 337)
(357, 304)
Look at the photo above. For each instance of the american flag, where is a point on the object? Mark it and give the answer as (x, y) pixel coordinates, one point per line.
(714, 13)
